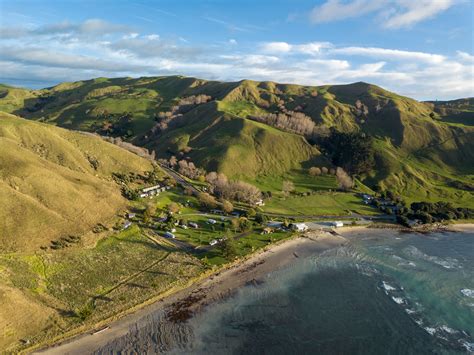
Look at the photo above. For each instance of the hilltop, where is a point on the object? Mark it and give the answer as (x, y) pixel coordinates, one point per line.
(422, 150)
(56, 183)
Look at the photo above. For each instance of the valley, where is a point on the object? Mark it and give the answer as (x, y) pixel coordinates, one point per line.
(238, 166)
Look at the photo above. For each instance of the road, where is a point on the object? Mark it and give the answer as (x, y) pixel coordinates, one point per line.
(179, 179)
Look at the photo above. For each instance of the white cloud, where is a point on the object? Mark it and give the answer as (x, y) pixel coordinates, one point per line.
(417, 11)
(335, 10)
(276, 47)
(390, 54)
(393, 13)
(77, 56)
(232, 41)
(311, 48)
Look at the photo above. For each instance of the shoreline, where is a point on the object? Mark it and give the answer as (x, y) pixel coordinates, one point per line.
(180, 305)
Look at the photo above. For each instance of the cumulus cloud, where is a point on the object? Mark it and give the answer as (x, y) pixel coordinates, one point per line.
(393, 13)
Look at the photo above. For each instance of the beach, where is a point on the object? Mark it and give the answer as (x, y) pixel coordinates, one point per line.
(182, 304)
(167, 315)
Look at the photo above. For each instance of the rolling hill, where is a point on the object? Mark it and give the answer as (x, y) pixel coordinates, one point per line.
(56, 183)
(423, 150)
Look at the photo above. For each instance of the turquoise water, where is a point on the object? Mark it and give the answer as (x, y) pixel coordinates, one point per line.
(397, 294)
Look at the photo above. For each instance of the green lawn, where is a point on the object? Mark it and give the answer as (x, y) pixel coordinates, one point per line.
(325, 203)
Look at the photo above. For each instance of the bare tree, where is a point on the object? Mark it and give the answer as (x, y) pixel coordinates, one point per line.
(344, 181)
(314, 171)
(288, 187)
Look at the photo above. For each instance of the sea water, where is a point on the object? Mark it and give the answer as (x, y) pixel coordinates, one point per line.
(381, 293)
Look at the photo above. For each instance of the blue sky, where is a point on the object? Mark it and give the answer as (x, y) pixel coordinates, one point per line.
(419, 48)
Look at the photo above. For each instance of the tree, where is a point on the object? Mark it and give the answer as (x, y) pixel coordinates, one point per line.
(149, 212)
(229, 247)
(173, 161)
(314, 171)
(288, 187)
(260, 218)
(245, 224)
(207, 200)
(251, 213)
(343, 179)
(173, 207)
(227, 207)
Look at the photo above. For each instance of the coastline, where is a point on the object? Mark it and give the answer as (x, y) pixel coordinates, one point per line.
(212, 287)
(203, 292)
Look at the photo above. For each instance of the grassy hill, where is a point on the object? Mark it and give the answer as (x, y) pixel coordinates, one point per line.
(55, 183)
(423, 150)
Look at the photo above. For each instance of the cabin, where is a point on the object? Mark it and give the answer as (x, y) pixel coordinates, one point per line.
(131, 215)
(299, 227)
(259, 203)
(337, 224)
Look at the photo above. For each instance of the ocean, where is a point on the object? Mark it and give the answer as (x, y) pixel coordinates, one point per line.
(381, 293)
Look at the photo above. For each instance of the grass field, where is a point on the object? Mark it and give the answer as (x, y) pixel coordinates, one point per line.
(324, 203)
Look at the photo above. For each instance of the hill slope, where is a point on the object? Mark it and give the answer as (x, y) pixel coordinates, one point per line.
(422, 150)
(57, 182)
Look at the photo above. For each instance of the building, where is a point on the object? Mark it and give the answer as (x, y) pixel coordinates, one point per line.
(337, 224)
(152, 191)
(213, 242)
(126, 225)
(299, 227)
(211, 221)
(259, 203)
(131, 215)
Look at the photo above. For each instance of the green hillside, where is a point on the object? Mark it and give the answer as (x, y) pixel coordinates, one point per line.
(423, 150)
(57, 182)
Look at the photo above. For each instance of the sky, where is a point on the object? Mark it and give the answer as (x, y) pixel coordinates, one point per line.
(418, 48)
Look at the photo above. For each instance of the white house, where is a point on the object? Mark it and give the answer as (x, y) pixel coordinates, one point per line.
(299, 227)
(152, 190)
(213, 242)
(126, 224)
(259, 203)
(337, 224)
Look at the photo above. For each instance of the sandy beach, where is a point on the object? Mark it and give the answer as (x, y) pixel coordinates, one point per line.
(184, 303)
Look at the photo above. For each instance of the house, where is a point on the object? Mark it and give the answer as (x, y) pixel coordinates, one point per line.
(169, 235)
(299, 227)
(267, 230)
(213, 242)
(126, 225)
(211, 221)
(337, 224)
(130, 215)
(151, 191)
(259, 203)
(193, 225)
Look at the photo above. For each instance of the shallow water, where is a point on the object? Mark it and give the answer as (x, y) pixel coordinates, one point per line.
(382, 293)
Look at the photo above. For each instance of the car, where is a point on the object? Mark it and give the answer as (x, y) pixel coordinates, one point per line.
(169, 235)
(193, 225)
(213, 242)
(211, 221)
